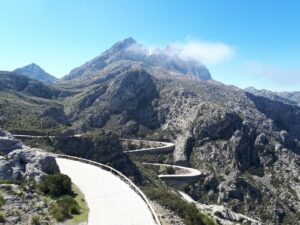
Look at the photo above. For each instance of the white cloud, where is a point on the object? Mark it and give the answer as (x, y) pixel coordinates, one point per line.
(209, 53)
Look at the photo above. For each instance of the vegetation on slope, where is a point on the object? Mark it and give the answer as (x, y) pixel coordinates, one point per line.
(172, 201)
(68, 201)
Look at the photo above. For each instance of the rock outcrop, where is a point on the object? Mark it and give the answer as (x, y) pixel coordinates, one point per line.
(27, 163)
(20, 162)
(8, 143)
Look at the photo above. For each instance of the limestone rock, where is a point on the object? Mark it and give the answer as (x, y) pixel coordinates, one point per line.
(8, 142)
(22, 162)
(27, 163)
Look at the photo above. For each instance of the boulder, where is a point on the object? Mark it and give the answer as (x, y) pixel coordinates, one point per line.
(22, 162)
(8, 142)
(27, 163)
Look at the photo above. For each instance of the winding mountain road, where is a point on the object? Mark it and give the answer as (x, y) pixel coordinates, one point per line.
(111, 197)
(190, 173)
(162, 148)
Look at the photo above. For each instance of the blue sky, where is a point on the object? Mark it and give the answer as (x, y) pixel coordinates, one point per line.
(244, 43)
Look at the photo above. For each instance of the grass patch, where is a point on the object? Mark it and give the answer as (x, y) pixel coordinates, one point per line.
(64, 208)
(84, 210)
(35, 220)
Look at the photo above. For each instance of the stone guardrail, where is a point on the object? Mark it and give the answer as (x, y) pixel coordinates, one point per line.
(192, 174)
(120, 175)
(165, 147)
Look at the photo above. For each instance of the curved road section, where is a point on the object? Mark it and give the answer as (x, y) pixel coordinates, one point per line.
(162, 148)
(111, 201)
(190, 172)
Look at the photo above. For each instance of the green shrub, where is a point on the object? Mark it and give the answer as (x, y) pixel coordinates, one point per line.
(64, 208)
(257, 171)
(2, 201)
(7, 181)
(56, 185)
(170, 170)
(35, 220)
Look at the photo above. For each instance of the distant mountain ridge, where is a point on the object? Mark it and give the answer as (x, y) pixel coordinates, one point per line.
(132, 52)
(34, 71)
(285, 97)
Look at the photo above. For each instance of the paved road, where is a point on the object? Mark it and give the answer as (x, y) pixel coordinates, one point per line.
(192, 173)
(110, 200)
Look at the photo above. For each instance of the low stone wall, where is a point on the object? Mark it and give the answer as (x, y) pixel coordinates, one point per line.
(192, 174)
(118, 174)
(156, 147)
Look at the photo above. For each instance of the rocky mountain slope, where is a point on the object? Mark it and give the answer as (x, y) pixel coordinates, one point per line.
(27, 104)
(35, 72)
(286, 97)
(246, 144)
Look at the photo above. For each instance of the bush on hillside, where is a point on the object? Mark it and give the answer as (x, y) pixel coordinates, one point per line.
(56, 185)
(2, 201)
(64, 208)
(187, 211)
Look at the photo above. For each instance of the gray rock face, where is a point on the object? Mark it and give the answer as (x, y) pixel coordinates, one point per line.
(285, 116)
(8, 143)
(27, 163)
(130, 95)
(35, 72)
(57, 113)
(22, 162)
(242, 145)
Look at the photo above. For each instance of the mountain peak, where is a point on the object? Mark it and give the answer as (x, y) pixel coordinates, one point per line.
(33, 67)
(130, 52)
(124, 44)
(34, 71)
